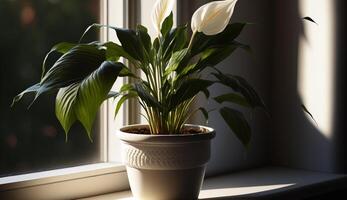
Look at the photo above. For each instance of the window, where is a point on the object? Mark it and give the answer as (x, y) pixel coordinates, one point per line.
(33, 28)
(33, 140)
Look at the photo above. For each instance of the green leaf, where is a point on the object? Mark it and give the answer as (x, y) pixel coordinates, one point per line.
(156, 44)
(127, 88)
(127, 38)
(62, 47)
(238, 124)
(230, 33)
(176, 40)
(188, 90)
(145, 40)
(130, 43)
(240, 85)
(65, 106)
(114, 50)
(122, 100)
(112, 94)
(127, 73)
(167, 25)
(142, 92)
(81, 101)
(76, 64)
(211, 57)
(232, 98)
(31, 89)
(175, 61)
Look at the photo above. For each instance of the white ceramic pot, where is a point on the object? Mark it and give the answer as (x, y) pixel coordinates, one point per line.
(164, 167)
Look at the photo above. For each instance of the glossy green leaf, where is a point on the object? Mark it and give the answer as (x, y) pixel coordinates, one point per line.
(115, 50)
(167, 25)
(232, 98)
(112, 94)
(122, 100)
(240, 85)
(176, 40)
(128, 38)
(72, 67)
(81, 101)
(127, 73)
(62, 47)
(188, 90)
(237, 123)
(144, 94)
(175, 61)
(202, 42)
(144, 38)
(65, 106)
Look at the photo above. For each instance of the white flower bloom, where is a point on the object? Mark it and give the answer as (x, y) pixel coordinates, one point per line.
(213, 17)
(161, 9)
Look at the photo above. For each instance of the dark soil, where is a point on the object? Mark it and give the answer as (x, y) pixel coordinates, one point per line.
(145, 130)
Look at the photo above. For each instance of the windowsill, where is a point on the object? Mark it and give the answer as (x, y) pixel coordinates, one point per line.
(267, 182)
(72, 182)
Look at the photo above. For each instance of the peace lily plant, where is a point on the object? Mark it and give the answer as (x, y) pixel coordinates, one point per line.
(172, 64)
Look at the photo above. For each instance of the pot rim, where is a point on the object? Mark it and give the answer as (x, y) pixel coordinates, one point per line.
(173, 138)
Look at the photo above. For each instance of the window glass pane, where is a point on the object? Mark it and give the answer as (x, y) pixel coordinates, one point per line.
(33, 140)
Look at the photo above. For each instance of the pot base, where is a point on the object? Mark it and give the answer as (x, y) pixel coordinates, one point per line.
(166, 184)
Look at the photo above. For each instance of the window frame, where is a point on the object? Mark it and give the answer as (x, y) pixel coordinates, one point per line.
(71, 183)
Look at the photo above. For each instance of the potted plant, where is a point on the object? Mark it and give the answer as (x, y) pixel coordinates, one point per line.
(165, 158)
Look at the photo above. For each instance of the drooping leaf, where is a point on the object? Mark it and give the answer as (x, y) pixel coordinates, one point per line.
(240, 85)
(62, 47)
(238, 124)
(122, 100)
(127, 73)
(232, 98)
(188, 90)
(65, 106)
(31, 89)
(114, 50)
(81, 100)
(72, 67)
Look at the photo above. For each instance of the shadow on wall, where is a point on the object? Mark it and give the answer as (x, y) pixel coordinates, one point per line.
(304, 70)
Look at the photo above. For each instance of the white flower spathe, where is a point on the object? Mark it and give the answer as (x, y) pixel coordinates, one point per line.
(213, 17)
(161, 9)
